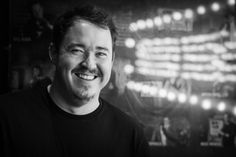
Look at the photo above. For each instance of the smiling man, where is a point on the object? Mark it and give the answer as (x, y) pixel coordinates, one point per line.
(67, 117)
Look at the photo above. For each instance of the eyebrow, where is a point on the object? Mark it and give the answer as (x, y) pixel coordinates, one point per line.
(84, 47)
(102, 48)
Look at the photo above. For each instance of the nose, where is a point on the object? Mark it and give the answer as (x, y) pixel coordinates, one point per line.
(89, 61)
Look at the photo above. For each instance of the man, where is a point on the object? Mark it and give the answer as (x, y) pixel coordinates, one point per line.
(228, 132)
(169, 136)
(67, 117)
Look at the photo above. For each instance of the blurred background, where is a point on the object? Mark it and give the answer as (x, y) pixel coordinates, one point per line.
(175, 59)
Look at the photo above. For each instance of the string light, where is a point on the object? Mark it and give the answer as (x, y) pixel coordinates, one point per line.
(171, 96)
(182, 97)
(201, 10)
(221, 106)
(128, 69)
(133, 27)
(198, 76)
(193, 99)
(230, 44)
(234, 110)
(149, 23)
(162, 93)
(141, 24)
(158, 21)
(149, 64)
(206, 104)
(166, 18)
(231, 2)
(197, 39)
(188, 14)
(177, 16)
(129, 42)
(215, 6)
(153, 91)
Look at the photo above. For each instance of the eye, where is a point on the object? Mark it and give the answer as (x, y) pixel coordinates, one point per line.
(101, 54)
(76, 50)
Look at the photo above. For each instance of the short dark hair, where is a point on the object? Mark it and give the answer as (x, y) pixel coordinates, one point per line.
(87, 12)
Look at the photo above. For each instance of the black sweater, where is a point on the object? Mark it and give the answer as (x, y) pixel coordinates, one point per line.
(32, 125)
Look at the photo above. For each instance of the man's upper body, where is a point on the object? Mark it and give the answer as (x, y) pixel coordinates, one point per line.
(168, 134)
(67, 117)
(228, 132)
(33, 125)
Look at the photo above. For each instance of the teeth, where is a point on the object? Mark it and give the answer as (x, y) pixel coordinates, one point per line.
(86, 77)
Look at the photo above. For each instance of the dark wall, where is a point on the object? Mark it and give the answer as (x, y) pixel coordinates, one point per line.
(4, 46)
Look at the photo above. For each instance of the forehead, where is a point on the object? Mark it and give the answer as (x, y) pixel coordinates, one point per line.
(85, 31)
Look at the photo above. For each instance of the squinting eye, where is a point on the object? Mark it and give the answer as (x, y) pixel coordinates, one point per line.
(101, 54)
(77, 51)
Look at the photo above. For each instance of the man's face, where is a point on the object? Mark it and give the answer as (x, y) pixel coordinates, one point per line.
(85, 60)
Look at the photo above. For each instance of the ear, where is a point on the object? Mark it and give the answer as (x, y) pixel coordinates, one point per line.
(52, 53)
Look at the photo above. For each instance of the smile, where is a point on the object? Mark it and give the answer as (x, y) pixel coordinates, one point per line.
(85, 77)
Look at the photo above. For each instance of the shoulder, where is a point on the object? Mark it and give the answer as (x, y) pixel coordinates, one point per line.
(121, 117)
(17, 100)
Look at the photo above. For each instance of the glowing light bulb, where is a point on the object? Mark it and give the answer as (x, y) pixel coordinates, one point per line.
(133, 27)
(130, 42)
(231, 2)
(141, 24)
(182, 97)
(166, 18)
(234, 110)
(206, 104)
(171, 96)
(221, 106)
(162, 93)
(158, 21)
(177, 16)
(193, 100)
(153, 91)
(215, 6)
(188, 14)
(129, 69)
(131, 85)
(201, 10)
(149, 23)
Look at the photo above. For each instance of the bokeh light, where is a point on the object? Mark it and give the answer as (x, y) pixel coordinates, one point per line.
(231, 2)
(171, 96)
(129, 69)
(193, 99)
(166, 18)
(141, 24)
(206, 104)
(188, 14)
(130, 42)
(182, 97)
(158, 21)
(221, 106)
(149, 23)
(215, 6)
(201, 10)
(177, 16)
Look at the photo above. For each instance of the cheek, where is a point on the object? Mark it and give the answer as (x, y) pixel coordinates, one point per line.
(107, 69)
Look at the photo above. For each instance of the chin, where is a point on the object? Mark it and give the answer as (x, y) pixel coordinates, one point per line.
(84, 94)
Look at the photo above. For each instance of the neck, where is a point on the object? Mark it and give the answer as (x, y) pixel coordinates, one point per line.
(72, 105)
